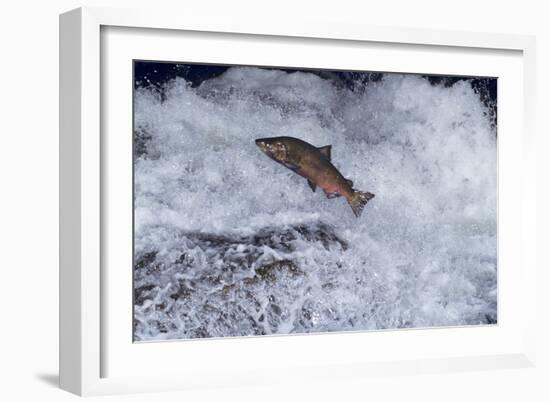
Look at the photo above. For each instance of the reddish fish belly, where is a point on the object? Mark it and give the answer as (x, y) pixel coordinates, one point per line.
(331, 187)
(328, 184)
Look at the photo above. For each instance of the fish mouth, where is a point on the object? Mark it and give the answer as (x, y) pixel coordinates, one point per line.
(261, 144)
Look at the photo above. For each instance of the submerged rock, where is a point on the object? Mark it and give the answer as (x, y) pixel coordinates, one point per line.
(269, 272)
(232, 279)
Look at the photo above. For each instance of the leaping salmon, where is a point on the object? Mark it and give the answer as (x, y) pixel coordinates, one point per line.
(315, 165)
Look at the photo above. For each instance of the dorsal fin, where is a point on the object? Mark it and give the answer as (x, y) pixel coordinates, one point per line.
(325, 150)
(350, 182)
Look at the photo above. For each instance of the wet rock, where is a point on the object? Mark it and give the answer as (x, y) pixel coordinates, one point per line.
(270, 271)
(142, 293)
(182, 293)
(490, 319)
(275, 238)
(231, 280)
(141, 140)
(145, 260)
(238, 255)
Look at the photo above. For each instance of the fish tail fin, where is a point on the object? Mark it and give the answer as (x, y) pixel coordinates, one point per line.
(358, 201)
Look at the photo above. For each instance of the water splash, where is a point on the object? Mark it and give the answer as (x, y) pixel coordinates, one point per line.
(228, 243)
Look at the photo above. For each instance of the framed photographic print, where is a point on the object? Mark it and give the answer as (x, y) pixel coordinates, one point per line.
(260, 199)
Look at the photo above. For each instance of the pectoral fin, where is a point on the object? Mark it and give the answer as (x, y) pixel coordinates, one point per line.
(290, 166)
(326, 151)
(330, 195)
(312, 185)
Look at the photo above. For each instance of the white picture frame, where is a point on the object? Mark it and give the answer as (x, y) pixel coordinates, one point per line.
(89, 335)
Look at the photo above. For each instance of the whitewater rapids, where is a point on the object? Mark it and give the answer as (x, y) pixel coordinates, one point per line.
(229, 243)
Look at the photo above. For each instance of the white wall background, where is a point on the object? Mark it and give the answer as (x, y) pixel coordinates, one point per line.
(29, 201)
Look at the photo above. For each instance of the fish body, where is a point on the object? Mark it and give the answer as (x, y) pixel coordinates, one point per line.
(314, 164)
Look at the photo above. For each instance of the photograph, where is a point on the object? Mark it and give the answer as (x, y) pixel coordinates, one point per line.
(282, 200)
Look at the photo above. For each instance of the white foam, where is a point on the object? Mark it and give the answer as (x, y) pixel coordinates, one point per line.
(422, 254)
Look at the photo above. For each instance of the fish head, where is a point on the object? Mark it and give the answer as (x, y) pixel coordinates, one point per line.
(273, 147)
